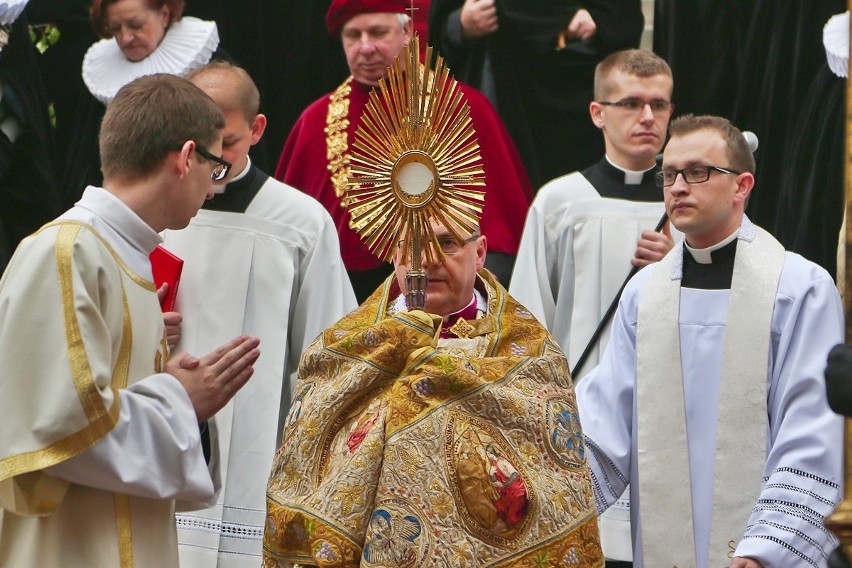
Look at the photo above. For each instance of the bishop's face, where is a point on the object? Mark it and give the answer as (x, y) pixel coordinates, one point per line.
(451, 282)
(371, 43)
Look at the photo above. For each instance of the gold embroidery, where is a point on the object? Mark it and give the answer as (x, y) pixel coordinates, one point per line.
(466, 329)
(406, 466)
(81, 371)
(349, 498)
(124, 529)
(122, 363)
(462, 329)
(411, 462)
(336, 139)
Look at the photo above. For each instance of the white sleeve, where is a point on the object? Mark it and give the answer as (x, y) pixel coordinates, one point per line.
(606, 401)
(153, 451)
(324, 295)
(803, 475)
(532, 282)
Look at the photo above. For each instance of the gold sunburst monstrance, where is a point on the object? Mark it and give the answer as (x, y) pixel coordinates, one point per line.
(415, 158)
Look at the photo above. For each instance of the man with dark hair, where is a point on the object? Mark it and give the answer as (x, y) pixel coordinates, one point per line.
(316, 155)
(101, 436)
(285, 283)
(709, 398)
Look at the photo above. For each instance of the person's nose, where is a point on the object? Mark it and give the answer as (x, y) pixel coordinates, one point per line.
(428, 262)
(124, 36)
(367, 45)
(679, 186)
(647, 114)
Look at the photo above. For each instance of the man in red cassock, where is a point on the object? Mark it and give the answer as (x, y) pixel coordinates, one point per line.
(316, 155)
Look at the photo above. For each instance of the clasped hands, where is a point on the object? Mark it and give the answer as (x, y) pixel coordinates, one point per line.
(212, 380)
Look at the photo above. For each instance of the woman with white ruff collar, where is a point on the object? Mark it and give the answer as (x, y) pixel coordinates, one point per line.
(140, 37)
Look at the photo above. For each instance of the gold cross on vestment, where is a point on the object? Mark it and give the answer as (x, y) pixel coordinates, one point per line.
(462, 329)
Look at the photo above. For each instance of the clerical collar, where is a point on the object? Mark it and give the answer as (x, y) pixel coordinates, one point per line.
(612, 182)
(478, 303)
(714, 275)
(631, 177)
(468, 313)
(704, 255)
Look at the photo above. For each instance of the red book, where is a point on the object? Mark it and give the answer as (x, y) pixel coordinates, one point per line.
(166, 268)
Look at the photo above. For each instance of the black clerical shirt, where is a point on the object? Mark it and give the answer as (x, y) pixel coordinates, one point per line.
(609, 182)
(714, 276)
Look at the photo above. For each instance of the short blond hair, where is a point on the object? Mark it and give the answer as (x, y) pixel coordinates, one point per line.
(244, 95)
(639, 62)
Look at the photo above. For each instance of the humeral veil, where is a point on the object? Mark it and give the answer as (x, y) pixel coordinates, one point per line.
(402, 451)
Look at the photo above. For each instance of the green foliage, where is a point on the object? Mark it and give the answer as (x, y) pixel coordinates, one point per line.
(43, 36)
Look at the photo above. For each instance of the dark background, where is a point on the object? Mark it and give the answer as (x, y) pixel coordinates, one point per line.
(760, 63)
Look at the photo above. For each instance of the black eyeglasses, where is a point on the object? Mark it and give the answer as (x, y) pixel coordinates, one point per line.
(636, 105)
(692, 174)
(220, 170)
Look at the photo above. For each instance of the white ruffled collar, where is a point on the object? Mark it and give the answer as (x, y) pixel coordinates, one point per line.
(10, 10)
(835, 38)
(187, 45)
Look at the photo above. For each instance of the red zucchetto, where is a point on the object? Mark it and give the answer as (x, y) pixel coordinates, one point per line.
(341, 11)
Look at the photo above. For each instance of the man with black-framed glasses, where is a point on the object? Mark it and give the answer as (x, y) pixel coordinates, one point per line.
(709, 398)
(587, 230)
(100, 437)
(221, 167)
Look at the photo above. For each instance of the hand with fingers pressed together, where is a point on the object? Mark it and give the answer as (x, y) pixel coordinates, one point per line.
(213, 379)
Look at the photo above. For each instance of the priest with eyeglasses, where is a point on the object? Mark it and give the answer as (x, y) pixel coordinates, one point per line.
(709, 399)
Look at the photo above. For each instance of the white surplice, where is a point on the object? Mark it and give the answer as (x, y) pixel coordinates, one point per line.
(574, 256)
(274, 272)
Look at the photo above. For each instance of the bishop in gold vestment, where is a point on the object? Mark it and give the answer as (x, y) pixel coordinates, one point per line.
(404, 448)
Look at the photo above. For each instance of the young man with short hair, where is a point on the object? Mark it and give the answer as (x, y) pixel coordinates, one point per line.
(262, 258)
(101, 435)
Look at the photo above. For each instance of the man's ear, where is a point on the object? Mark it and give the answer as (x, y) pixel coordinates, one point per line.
(745, 183)
(258, 127)
(408, 30)
(596, 112)
(184, 158)
(481, 250)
